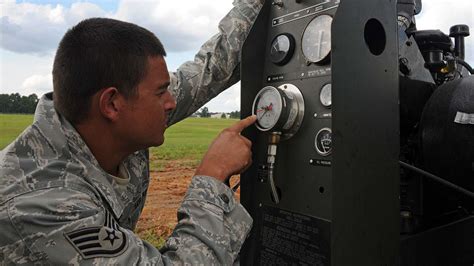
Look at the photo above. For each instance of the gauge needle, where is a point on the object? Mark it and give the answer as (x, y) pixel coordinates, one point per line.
(265, 109)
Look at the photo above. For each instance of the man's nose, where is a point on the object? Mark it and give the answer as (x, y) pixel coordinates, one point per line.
(170, 103)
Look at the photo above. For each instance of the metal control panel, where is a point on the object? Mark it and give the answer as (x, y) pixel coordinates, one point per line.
(318, 74)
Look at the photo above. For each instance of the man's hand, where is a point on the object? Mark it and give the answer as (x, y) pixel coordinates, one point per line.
(229, 153)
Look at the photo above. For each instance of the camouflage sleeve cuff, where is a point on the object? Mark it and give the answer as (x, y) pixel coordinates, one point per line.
(211, 190)
(236, 220)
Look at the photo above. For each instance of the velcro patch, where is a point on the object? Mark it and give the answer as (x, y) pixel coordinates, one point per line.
(99, 241)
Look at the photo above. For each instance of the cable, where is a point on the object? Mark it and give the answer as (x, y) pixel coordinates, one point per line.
(438, 179)
(466, 65)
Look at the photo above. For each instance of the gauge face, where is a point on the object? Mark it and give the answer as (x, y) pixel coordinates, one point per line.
(282, 49)
(268, 107)
(316, 42)
(325, 95)
(323, 142)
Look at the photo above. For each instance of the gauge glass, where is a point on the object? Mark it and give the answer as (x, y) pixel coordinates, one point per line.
(323, 142)
(316, 42)
(325, 95)
(267, 107)
(282, 49)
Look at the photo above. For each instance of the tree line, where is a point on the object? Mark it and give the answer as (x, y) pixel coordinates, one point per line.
(204, 112)
(16, 104)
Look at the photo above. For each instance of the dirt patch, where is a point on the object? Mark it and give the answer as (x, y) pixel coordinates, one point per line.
(165, 193)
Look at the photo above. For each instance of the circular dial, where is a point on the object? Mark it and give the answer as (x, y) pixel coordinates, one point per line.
(267, 106)
(323, 141)
(316, 42)
(282, 49)
(325, 95)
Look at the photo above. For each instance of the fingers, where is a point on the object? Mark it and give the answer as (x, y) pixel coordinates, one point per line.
(242, 124)
(246, 141)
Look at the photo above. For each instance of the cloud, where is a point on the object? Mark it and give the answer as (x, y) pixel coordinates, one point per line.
(227, 101)
(37, 29)
(182, 25)
(38, 84)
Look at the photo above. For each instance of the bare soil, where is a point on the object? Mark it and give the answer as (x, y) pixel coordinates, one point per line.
(165, 193)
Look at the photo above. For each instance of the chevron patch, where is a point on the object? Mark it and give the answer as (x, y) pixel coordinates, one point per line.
(99, 241)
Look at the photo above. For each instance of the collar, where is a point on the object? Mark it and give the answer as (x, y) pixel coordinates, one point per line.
(70, 146)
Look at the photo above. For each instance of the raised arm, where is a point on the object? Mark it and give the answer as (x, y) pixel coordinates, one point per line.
(216, 65)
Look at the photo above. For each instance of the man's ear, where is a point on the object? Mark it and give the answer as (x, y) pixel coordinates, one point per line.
(110, 103)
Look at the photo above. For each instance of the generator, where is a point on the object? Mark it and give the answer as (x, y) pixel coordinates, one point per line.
(363, 149)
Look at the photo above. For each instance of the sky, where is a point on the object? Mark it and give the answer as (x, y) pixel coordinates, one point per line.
(30, 31)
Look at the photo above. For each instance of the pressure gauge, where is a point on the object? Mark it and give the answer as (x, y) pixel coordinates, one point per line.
(316, 41)
(325, 95)
(323, 141)
(282, 49)
(279, 109)
(268, 106)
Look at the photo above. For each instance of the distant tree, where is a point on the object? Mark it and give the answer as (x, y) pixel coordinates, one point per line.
(224, 116)
(205, 112)
(235, 114)
(15, 103)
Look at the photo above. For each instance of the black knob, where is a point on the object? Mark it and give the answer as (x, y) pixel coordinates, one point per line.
(458, 32)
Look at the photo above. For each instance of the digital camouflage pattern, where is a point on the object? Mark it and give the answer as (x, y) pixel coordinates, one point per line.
(57, 205)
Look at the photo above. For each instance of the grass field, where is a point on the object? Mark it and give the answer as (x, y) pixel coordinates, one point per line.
(11, 126)
(186, 141)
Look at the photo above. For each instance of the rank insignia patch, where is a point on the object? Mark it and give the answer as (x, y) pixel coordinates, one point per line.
(99, 241)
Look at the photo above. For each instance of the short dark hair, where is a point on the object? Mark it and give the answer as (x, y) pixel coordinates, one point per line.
(99, 53)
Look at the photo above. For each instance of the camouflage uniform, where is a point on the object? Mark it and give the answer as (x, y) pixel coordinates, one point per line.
(58, 206)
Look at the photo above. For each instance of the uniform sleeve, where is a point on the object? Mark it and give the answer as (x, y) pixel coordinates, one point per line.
(62, 226)
(216, 66)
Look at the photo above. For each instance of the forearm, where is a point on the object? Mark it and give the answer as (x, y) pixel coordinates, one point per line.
(212, 225)
(216, 65)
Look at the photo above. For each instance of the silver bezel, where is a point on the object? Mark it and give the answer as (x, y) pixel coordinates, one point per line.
(323, 153)
(262, 91)
(298, 105)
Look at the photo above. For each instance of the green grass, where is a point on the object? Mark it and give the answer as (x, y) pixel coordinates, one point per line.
(11, 125)
(187, 141)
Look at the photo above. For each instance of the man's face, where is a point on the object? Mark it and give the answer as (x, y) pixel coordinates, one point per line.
(145, 117)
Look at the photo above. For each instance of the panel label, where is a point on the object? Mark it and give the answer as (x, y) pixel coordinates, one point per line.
(323, 6)
(291, 238)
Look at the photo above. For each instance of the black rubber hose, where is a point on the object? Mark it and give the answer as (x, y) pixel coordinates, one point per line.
(466, 65)
(438, 179)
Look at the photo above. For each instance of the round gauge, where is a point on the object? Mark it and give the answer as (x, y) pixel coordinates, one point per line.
(316, 41)
(267, 106)
(325, 95)
(323, 141)
(282, 49)
(279, 109)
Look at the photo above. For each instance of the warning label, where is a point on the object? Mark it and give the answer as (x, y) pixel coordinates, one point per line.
(291, 238)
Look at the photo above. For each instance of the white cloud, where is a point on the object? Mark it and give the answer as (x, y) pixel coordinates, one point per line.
(227, 101)
(37, 29)
(38, 84)
(181, 25)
